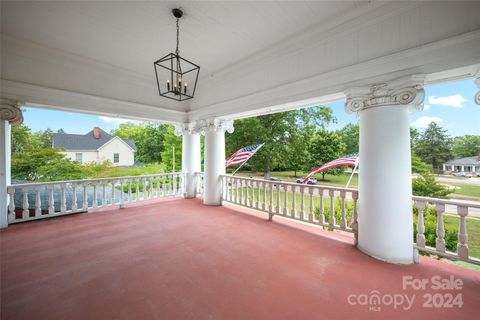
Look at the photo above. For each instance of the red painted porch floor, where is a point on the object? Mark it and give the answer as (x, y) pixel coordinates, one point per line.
(179, 259)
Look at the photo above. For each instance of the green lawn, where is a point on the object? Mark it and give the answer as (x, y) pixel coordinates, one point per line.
(289, 176)
(473, 230)
(465, 190)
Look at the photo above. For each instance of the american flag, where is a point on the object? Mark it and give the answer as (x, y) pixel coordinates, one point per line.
(350, 160)
(243, 154)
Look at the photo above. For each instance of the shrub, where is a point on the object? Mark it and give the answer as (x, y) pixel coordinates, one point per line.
(430, 222)
(426, 186)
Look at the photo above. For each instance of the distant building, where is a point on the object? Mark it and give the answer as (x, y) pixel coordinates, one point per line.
(96, 146)
(468, 165)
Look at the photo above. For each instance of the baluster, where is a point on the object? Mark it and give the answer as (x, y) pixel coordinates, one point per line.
(150, 196)
(112, 200)
(25, 213)
(355, 218)
(420, 225)
(462, 246)
(293, 213)
(95, 197)
(38, 201)
(164, 186)
(302, 203)
(137, 188)
(285, 208)
(234, 190)
(85, 196)
(252, 199)
(229, 189)
(63, 197)
(158, 186)
(264, 186)
(331, 216)
(311, 216)
(122, 199)
(321, 213)
(11, 204)
(279, 187)
(343, 213)
(144, 180)
(259, 203)
(241, 191)
(74, 197)
(51, 203)
(171, 185)
(271, 201)
(104, 193)
(440, 241)
(129, 190)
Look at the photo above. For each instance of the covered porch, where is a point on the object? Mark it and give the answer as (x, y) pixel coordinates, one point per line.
(179, 259)
(200, 258)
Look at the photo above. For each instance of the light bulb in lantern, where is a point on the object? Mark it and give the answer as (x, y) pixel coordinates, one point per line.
(185, 88)
(168, 85)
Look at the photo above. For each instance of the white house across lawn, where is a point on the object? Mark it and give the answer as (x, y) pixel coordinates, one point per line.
(469, 165)
(96, 146)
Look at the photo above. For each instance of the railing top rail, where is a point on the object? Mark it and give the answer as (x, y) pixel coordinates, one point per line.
(446, 201)
(324, 187)
(30, 184)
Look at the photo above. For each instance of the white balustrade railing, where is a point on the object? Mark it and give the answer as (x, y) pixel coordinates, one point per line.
(307, 203)
(199, 184)
(32, 201)
(439, 210)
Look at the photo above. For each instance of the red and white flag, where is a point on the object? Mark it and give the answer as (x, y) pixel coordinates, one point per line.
(347, 161)
(243, 154)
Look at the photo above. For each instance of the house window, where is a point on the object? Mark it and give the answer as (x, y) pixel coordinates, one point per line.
(116, 158)
(78, 156)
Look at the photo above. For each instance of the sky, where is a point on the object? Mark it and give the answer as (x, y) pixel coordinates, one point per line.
(451, 105)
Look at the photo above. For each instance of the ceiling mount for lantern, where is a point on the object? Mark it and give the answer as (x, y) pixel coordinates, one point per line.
(176, 77)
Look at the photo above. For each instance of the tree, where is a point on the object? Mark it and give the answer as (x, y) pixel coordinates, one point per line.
(418, 166)
(44, 164)
(149, 139)
(466, 146)
(172, 145)
(279, 131)
(350, 135)
(20, 138)
(326, 146)
(433, 146)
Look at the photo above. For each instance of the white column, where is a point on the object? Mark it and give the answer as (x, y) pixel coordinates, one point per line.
(191, 156)
(10, 113)
(214, 157)
(385, 222)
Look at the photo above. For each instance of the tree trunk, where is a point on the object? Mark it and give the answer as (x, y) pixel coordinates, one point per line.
(323, 175)
(266, 168)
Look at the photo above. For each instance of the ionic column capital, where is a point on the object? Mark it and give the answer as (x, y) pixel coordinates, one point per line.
(406, 91)
(204, 125)
(10, 111)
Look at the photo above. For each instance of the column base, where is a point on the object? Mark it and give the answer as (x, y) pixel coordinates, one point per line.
(389, 260)
(212, 203)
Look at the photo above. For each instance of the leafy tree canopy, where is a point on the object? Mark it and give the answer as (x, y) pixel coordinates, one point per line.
(433, 146)
(149, 139)
(466, 146)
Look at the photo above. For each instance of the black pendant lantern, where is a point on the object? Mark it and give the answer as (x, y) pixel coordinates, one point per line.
(176, 76)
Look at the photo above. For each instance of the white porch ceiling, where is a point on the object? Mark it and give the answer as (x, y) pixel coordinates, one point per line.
(97, 56)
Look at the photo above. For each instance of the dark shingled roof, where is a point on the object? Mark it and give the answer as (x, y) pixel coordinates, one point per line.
(464, 161)
(84, 141)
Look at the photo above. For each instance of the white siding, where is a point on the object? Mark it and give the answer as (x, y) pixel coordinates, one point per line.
(87, 156)
(126, 155)
(117, 146)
